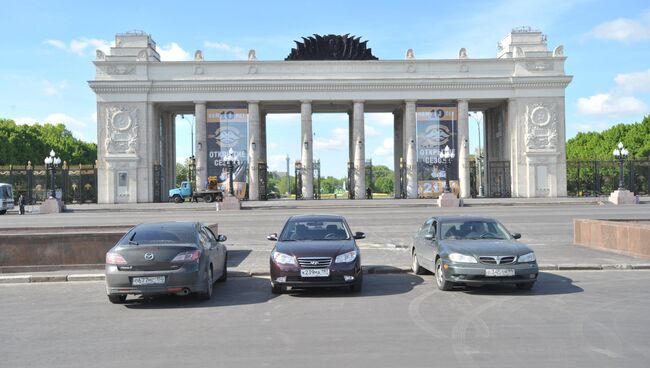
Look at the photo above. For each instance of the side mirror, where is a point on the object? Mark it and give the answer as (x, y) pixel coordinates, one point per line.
(273, 237)
(429, 237)
(221, 238)
(359, 235)
(516, 235)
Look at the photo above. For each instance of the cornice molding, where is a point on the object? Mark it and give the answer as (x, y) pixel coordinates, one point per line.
(189, 86)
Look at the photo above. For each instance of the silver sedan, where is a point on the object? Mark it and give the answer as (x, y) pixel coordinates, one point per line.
(462, 250)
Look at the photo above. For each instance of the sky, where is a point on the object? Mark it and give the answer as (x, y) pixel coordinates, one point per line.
(47, 49)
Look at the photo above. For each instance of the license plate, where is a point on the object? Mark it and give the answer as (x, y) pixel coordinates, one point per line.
(315, 272)
(499, 272)
(152, 280)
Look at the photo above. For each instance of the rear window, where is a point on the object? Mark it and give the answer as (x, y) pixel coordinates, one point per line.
(160, 234)
(5, 192)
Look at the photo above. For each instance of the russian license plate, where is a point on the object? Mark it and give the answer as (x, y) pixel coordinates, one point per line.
(152, 280)
(315, 272)
(500, 272)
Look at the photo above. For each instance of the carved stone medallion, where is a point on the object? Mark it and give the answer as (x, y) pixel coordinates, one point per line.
(541, 126)
(121, 130)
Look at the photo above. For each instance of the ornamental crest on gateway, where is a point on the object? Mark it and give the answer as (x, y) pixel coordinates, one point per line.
(121, 130)
(541, 127)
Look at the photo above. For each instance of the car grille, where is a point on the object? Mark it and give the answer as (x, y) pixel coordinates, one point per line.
(315, 262)
(497, 259)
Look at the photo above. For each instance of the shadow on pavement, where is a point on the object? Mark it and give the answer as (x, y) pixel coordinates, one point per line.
(236, 257)
(373, 285)
(235, 291)
(547, 284)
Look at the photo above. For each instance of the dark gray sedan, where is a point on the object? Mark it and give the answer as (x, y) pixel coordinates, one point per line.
(462, 250)
(166, 258)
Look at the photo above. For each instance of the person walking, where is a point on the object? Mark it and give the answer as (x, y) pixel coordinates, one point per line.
(21, 203)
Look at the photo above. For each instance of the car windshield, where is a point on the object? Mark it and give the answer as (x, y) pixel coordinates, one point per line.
(315, 230)
(160, 235)
(473, 229)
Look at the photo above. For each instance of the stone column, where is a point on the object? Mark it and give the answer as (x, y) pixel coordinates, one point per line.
(201, 147)
(254, 148)
(463, 148)
(350, 138)
(397, 150)
(307, 144)
(359, 138)
(411, 153)
(263, 156)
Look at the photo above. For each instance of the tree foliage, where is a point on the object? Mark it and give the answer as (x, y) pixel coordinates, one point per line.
(600, 146)
(383, 178)
(22, 143)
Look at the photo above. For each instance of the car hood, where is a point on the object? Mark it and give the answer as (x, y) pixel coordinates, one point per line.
(315, 248)
(484, 247)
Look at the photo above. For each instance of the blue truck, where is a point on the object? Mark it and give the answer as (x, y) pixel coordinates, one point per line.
(6, 198)
(186, 192)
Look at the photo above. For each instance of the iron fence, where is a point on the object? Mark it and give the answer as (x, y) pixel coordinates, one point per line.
(594, 178)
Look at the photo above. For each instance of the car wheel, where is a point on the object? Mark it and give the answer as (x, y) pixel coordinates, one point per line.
(117, 299)
(440, 278)
(224, 276)
(525, 285)
(2, 212)
(415, 265)
(178, 199)
(357, 286)
(278, 289)
(208, 198)
(207, 294)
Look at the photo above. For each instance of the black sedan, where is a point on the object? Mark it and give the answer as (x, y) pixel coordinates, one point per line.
(166, 258)
(316, 251)
(463, 250)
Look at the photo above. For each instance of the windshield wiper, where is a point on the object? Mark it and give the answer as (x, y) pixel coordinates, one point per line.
(132, 242)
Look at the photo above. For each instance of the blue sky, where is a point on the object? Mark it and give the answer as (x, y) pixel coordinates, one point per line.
(47, 48)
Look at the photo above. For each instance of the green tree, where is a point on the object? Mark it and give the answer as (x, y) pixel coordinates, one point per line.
(382, 179)
(22, 143)
(600, 146)
(182, 170)
(330, 184)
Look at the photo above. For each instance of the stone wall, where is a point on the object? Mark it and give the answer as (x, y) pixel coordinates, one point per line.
(618, 236)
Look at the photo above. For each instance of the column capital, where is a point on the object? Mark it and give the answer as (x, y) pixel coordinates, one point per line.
(199, 102)
(358, 101)
(253, 102)
(410, 101)
(463, 100)
(305, 101)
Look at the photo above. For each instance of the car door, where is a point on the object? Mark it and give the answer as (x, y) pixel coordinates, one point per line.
(218, 252)
(428, 243)
(422, 244)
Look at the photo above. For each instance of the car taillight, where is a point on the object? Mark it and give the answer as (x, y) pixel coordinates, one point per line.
(115, 259)
(190, 256)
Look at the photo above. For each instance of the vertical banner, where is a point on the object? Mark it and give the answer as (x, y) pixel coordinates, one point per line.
(437, 127)
(227, 128)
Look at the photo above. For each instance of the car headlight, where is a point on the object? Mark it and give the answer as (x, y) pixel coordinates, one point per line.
(346, 257)
(461, 258)
(529, 257)
(281, 258)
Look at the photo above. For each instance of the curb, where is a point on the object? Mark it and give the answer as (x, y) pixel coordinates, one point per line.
(370, 270)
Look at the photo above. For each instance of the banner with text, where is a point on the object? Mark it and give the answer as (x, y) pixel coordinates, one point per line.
(437, 127)
(227, 128)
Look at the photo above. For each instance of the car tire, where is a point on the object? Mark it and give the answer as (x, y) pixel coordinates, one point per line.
(2, 212)
(525, 285)
(208, 198)
(278, 289)
(178, 199)
(440, 278)
(224, 275)
(117, 298)
(207, 294)
(357, 286)
(415, 265)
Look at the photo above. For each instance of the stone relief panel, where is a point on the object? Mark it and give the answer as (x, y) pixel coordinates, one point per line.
(120, 69)
(121, 130)
(541, 127)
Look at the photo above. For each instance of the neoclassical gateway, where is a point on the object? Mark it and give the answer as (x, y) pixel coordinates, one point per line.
(520, 94)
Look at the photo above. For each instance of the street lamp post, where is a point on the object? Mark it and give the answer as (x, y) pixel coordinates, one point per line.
(230, 162)
(51, 163)
(446, 157)
(620, 153)
(479, 158)
(191, 133)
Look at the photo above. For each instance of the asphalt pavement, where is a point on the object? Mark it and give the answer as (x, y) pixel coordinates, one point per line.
(570, 319)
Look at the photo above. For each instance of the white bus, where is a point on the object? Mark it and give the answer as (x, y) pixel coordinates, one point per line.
(6, 198)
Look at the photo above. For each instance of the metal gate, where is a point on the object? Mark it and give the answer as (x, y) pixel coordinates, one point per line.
(369, 179)
(298, 178)
(402, 179)
(262, 180)
(316, 173)
(157, 183)
(593, 178)
(350, 180)
(499, 178)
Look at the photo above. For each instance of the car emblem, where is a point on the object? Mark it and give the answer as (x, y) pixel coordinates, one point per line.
(148, 256)
(313, 263)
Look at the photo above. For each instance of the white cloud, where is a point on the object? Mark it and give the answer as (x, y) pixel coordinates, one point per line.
(277, 163)
(370, 131)
(173, 52)
(53, 89)
(386, 149)
(634, 82)
(591, 127)
(25, 121)
(80, 46)
(605, 104)
(238, 52)
(381, 119)
(623, 30)
(282, 119)
(337, 142)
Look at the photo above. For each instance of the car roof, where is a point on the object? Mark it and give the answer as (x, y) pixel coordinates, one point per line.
(169, 224)
(315, 217)
(450, 218)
